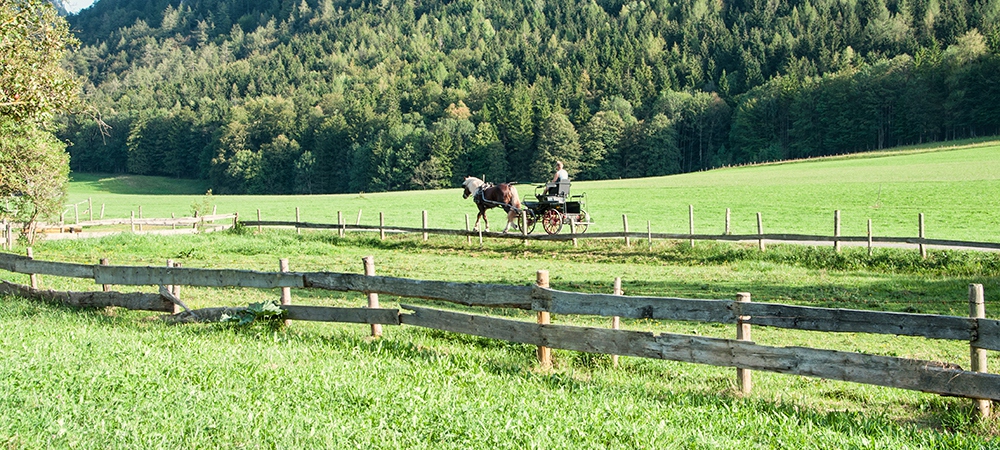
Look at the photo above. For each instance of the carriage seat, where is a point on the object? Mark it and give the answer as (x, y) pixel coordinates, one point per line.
(555, 192)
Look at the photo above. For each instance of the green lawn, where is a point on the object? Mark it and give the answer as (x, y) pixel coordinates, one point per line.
(111, 378)
(117, 379)
(957, 188)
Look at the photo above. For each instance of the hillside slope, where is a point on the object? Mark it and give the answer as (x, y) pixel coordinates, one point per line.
(337, 96)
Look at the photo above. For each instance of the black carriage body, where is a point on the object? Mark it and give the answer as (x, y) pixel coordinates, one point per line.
(554, 206)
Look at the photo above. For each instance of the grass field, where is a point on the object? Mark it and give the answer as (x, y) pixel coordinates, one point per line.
(116, 379)
(958, 190)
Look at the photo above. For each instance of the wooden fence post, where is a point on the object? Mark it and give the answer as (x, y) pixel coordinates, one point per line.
(90, 208)
(170, 288)
(32, 277)
(743, 334)
(423, 223)
(381, 226)
(572, 230)
(132, 220)
(177, 293)
(297, 229)
(140, 217)
(869, 237)
(480, 236)
(76, 214)
(259, 229)
(727, 222)
(468, 237)
(977, 310)
(3, 234)
(923, 251)
(836, 230)
(286, 292)
(102, 210)
(358, 222)
(105, 287)
(616, 321)
(760, 232)
(524, 229)
(691, 222)
(174, 289)
(649, 234)
(340, 221)
(369, 262)
(628, 242)
(544, 353)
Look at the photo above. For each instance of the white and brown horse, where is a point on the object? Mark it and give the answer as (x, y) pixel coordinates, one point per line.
(489, 196)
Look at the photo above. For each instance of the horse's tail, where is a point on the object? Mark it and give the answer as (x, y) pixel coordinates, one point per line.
(516, 200)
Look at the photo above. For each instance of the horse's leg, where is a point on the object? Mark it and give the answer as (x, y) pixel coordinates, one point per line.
(486, 222)
(512, 217)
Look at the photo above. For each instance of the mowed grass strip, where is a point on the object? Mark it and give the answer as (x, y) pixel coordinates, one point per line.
(956, 187)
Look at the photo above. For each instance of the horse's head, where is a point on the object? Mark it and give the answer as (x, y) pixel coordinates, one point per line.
(471, 184)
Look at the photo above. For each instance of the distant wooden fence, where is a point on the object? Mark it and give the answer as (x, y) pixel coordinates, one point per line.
(181, 225)
(927, 376)
(189, 225)
(836, 240)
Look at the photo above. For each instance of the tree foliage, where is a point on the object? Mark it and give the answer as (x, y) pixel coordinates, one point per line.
(33, 89)
(402, 95)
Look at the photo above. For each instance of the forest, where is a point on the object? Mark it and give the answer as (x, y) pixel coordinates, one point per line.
(332, 96)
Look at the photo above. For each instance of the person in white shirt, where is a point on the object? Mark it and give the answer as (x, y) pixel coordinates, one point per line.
(561, 174)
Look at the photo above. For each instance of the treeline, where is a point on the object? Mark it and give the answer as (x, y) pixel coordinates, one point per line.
(316, 96)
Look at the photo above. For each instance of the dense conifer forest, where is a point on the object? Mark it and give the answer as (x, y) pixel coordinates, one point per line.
(316, 96)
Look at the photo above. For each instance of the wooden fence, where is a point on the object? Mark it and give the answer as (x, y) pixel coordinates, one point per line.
(835, 241)
(137, 225)
(189, 225)
(928, 376)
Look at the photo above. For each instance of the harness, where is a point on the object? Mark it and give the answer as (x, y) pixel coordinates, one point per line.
(480, 198)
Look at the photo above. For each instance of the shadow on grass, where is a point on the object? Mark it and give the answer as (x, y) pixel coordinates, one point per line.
(138, 184)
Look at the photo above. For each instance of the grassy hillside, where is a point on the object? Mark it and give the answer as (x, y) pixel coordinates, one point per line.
(119, 379)
(957, 188)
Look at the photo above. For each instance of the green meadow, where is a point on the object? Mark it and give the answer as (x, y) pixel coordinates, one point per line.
(118, 379)
(957, 188)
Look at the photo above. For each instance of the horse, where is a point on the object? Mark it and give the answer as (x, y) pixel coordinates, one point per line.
(489, 196)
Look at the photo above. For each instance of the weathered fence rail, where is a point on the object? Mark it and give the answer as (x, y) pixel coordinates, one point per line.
(925, 376)
(905, 373)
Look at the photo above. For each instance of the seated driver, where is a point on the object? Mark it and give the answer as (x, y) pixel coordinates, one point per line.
(560, 175)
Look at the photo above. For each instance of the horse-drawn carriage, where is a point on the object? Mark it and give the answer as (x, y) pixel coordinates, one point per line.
(554, 207)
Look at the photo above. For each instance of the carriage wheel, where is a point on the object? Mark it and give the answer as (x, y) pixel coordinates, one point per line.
(532, 220)
(583, 223)
(552, 221)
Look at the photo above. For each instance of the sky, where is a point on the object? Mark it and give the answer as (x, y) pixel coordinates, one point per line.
(76, 5)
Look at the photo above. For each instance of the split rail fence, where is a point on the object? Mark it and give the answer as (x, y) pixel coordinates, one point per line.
(836, 240)
(137, 225)
(207, 223)
(981, 333)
